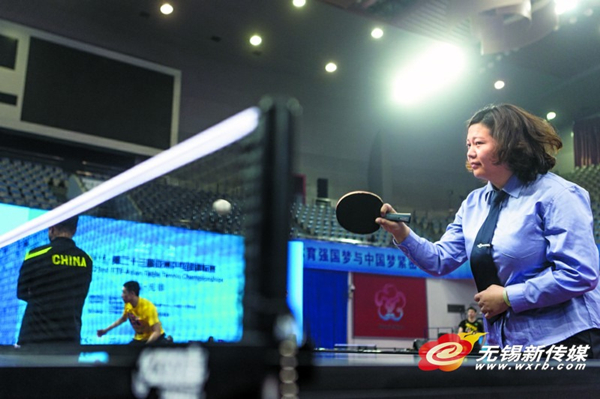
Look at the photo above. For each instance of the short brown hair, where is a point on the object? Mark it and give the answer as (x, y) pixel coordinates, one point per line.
(526, 143)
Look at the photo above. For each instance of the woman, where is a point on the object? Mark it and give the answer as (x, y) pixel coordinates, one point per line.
(543, 245)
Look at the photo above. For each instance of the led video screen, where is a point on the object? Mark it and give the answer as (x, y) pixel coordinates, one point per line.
(80, 91)
(195, 278)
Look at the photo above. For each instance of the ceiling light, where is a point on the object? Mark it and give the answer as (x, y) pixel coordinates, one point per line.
(166, 8)
(428, 73)
(299, 3)
(563, 6)
(331, 67)
(377, 33)
(255, 40)
(499, 84)
(550, 115)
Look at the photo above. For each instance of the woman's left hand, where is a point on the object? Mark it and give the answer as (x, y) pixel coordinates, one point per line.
(491, 301)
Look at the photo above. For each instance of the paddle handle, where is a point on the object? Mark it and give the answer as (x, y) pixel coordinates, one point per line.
(398, 217)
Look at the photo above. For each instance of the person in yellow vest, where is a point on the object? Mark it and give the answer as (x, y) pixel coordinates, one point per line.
(54, 280)
(472, 324)
(142, 315)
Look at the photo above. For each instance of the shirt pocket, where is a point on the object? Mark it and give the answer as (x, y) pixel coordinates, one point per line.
(519, 238)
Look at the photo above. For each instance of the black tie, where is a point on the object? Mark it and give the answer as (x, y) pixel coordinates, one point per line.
(482, 263)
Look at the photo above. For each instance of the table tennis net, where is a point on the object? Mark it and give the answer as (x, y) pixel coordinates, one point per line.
(155, 224)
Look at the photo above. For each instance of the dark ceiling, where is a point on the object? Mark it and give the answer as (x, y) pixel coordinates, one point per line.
(222, 73)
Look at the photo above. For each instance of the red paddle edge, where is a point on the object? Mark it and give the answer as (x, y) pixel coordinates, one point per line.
(358, 192)
(352, 193)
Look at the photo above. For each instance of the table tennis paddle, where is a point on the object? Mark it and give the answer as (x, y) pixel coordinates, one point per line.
(357, 211)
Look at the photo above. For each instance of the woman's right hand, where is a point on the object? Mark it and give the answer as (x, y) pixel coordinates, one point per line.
(397, 229)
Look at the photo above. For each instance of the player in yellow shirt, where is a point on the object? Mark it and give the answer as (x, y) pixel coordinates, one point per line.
(142, 315)
(472, 325)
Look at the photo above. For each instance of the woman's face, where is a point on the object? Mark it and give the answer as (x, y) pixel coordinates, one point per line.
(481, 156)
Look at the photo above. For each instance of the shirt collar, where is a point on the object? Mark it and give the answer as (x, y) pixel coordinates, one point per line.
(512, 187)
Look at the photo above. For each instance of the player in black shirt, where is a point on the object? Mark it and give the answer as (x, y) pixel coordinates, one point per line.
(54, 281)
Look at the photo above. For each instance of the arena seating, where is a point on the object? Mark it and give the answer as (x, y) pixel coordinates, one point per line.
(318, 221)
(589, 178)
(44, 186)
(31, 184)
(163, 203)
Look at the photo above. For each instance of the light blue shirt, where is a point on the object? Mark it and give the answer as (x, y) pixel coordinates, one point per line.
(545, 253)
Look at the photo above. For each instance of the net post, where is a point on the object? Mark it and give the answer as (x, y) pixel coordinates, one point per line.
(267, 249)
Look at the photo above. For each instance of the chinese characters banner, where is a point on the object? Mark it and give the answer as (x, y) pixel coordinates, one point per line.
(390, 307)
(366, 259)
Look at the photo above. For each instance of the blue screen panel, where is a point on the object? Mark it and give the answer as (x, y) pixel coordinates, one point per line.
(295, 286)
(195, 278)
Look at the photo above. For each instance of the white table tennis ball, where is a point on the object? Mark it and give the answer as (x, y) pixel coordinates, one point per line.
(221, 207)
